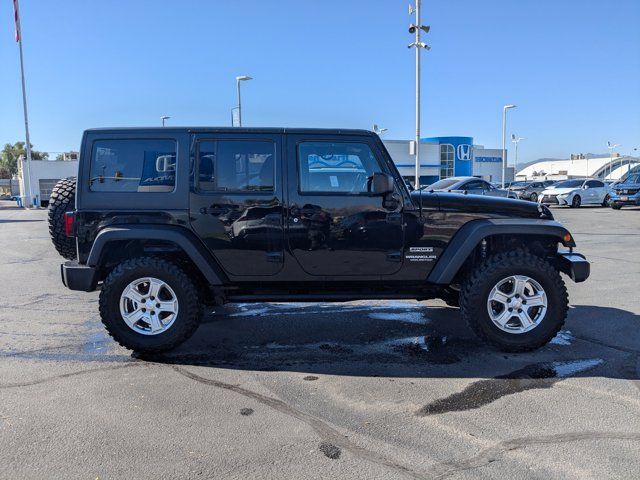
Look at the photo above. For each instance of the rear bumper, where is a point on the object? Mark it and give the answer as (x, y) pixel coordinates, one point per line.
(79, 277)
(574, 265)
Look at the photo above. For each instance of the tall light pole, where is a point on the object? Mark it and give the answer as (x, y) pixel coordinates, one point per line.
(241, 78)
(417, 28)
(611, 147)
(164, 118)
(504, 139)
(515, 139)
(629, 160)
(26, 183)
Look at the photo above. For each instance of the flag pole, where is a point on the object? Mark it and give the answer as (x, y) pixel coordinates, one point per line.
(24, 106)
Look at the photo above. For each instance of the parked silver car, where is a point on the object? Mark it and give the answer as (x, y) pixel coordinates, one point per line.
(470, 185)
(531, 189)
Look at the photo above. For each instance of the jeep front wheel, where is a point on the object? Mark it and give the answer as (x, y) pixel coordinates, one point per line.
(514, 301)
(149, 305)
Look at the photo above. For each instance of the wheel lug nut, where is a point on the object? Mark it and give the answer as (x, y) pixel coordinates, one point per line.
(151, 298)
(144, 310)
(511, 309)
(157, 305)
(519, 310)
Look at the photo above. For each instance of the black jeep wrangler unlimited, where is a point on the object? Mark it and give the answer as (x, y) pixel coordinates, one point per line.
(166, 220)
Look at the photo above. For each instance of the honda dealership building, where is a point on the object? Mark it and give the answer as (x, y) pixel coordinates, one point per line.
(442, 157)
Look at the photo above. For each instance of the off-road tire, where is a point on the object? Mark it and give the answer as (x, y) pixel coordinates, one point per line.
(62, 200)
(576, 202)
(189, 312)
(477, 287)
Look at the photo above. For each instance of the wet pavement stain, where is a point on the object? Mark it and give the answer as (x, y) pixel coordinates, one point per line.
(246, 411)
(437, 349)
(330, 450)
(484, 392)
(310, 378)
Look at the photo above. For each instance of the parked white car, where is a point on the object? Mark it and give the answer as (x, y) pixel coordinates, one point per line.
(576, 192)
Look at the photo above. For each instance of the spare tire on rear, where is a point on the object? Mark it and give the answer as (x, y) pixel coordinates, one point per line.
(63, 199)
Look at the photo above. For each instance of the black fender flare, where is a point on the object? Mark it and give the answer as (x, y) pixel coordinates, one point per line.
(184, 238)
(472, 233)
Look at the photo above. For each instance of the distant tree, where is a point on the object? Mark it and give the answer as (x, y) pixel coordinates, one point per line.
(10, 154)
(60, 157)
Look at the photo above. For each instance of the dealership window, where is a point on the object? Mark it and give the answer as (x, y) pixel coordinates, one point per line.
(236, 165)
(447, 159)
(133, 165)
(335, 167)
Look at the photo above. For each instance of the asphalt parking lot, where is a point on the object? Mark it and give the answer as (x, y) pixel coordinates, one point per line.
(358, 390)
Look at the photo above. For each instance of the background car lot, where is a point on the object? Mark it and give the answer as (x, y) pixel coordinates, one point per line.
(360, 390)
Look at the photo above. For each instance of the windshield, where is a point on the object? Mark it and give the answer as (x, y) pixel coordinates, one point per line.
(632, 179)
(519, 184)
(442, 184)
(569, 184)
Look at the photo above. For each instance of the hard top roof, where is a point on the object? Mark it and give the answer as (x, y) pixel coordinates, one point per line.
(279, 130)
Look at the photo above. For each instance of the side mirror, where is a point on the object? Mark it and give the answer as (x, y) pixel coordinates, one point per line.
(381, 183)
(584, 187)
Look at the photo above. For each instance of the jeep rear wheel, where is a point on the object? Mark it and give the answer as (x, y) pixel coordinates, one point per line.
(514, 301)
(62, 200)
(149, 305)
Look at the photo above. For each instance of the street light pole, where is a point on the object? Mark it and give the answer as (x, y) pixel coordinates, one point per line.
(416, 29)
(241, 78)
(504, 139)
(417, 180)
(611, 147)
(515, 139)
(164, 118)
(27, 187)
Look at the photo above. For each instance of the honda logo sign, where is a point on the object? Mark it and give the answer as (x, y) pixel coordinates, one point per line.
(464, 152)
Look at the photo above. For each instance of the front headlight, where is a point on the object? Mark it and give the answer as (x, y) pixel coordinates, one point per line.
(564, 195)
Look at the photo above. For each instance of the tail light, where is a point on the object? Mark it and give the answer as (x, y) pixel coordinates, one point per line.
(69, 223)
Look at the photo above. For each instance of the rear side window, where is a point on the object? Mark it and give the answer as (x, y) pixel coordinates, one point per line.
(328, 167)
(595, 184)
(236, 165)
(133, 165)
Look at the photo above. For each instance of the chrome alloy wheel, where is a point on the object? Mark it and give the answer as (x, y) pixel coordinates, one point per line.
(148, 306)
(517, 304)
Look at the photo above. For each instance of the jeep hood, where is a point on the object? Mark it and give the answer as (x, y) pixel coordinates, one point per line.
(499, 206)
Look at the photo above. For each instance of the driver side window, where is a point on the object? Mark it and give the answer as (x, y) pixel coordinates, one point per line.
(335, 167)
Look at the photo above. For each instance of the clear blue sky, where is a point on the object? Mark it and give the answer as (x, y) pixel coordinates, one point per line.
(571, 66)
